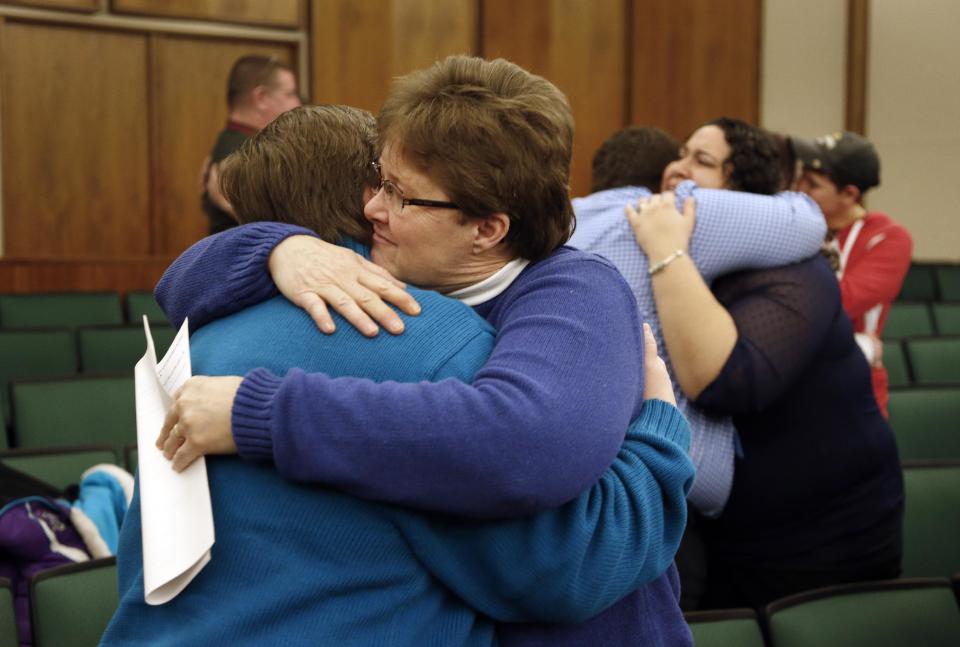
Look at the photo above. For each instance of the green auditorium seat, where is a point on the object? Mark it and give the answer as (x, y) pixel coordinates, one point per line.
(142, 303)
(31, 354)
(931, 524)
(926, 422)
(60, 309)
(919, 284)
(935, 361)
(895, 362)
(61, 466)
(947, 318)
(8, 620)
(73, 604)
(948, 278)
(76, 411)
(892, 613)
(908, 320)
(725, 628)
(117, 349)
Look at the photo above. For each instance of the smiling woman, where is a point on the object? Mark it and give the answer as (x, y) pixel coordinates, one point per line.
(546, 414)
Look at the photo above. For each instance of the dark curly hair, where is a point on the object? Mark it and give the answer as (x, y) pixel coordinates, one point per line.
(633, 156)
(754, 164)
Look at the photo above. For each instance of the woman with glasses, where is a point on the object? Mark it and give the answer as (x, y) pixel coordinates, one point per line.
(473, 203)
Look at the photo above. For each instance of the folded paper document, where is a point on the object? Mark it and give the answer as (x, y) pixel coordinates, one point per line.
(176, 516)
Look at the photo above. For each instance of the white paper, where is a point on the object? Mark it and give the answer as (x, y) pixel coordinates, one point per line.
(175, 511)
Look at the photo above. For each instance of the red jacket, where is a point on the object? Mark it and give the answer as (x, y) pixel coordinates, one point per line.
(875, 256)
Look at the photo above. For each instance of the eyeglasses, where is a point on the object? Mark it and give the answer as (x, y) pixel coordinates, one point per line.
(395, 198)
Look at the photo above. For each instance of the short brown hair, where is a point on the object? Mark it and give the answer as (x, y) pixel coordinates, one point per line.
(250, 72)
(496, 138)
(308, 167)
(634, 156)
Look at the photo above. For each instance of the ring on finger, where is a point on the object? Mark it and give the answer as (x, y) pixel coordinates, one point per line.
(175, 432)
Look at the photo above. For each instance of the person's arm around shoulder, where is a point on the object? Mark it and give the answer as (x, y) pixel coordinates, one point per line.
(237, 268)
(222, 274)
(698, 332)
(742, 231)
(568, 564)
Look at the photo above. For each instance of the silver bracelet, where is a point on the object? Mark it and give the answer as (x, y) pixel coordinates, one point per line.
(658, 267)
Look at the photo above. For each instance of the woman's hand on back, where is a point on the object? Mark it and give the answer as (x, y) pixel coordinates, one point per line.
(656, 379)
(659, 228)
(315, 275)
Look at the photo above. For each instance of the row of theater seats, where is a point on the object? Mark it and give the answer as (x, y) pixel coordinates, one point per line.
(922, 356)
(60, 425)
(894, 613)
(67, 400)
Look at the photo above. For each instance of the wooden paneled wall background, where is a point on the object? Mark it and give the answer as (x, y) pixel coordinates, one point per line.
(108, 107)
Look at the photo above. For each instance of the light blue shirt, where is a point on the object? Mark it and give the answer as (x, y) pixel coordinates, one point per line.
(734, 231)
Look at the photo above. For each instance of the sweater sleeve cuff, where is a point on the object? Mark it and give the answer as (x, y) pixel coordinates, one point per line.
(664, 420)
(253, 253)
(251, 417)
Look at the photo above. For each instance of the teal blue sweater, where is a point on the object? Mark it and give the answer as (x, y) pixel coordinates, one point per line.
(299, 565)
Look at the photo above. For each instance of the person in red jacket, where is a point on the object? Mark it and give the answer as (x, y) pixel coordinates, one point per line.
(875, 251)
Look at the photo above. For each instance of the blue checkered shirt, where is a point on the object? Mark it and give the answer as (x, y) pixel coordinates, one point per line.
(734, 231)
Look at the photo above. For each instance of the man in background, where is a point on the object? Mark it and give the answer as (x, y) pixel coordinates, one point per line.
(875, 251)
(259, 89)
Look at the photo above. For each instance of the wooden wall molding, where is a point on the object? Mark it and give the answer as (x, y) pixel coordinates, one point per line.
(858, 27)
(149, 24)
(87, 275)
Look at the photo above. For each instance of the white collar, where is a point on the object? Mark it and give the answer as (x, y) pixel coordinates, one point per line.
(492, 286)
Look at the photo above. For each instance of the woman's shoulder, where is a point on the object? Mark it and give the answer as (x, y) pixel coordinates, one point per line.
(572, 274)
(570, 259)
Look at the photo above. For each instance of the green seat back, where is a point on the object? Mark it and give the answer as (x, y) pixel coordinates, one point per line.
(142, 303)
(935, 361)
(725, 628)
(77, 411)
(948, 277)
(896, 364)
(72, 604)
(58, 467)
(884, 614)
(908, 320)
(59, 310)
(919, 284)
(117, 349)
(30, 354)
(947, 317)
(931, 524)
(8, 620)
(926, 422)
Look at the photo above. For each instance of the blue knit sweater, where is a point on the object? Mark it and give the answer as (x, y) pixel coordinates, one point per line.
(538, 373)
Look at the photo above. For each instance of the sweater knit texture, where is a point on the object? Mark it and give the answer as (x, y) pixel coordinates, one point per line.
(562, 565)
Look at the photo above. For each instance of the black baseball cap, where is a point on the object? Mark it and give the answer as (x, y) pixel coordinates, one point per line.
(847, 158)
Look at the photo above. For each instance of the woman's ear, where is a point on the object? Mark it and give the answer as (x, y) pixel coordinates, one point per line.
(491, 231)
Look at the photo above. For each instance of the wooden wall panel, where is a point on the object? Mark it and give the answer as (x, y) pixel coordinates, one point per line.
(81, 275)
(280, 13)
(580, 46)
(189, 81)
(694, 60)
(358, 46)
(75, 155)
(71, 5)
